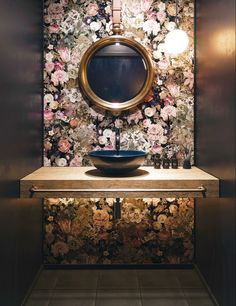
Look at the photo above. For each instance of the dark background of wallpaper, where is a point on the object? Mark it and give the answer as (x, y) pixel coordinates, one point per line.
(58, 248)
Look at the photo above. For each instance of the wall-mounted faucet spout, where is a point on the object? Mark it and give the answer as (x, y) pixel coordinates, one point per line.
(117, 209)
(117, 140)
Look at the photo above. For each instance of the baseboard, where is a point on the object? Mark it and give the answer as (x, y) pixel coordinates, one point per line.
(32, 286)
(206, 285)
(118, 266)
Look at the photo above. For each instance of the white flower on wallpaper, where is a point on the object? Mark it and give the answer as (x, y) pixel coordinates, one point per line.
(70, 28)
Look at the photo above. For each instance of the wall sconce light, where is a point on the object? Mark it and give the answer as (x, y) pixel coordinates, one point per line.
(176, 41)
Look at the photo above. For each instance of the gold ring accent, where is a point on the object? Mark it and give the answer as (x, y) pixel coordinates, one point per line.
(87, 90)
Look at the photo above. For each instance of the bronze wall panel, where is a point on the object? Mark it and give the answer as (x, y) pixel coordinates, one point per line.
(215, 144)
(20, 145)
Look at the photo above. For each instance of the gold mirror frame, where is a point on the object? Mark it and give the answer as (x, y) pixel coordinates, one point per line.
(87, 90)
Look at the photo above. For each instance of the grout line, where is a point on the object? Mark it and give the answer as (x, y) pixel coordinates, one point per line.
(96, 293)
(139, 288)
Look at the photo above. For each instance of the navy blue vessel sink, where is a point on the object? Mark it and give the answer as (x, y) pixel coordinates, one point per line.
(117, 162)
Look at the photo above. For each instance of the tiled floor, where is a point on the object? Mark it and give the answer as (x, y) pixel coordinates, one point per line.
(119, 288)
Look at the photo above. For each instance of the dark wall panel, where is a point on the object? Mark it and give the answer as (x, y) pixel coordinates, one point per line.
(20, 145)
(215, 144)
(215, 247)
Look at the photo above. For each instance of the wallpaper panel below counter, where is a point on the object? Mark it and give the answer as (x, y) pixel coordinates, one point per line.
(150, 231)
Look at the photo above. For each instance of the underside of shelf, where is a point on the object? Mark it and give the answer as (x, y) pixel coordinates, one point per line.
(86, 182)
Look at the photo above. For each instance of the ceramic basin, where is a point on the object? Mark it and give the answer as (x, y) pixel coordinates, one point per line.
(117, 162)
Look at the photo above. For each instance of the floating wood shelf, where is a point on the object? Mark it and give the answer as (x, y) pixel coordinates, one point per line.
(147, 182)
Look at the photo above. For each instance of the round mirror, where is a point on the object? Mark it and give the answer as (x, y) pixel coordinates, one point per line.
(116, 73)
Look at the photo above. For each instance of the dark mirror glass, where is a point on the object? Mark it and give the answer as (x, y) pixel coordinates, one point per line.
(116, 73)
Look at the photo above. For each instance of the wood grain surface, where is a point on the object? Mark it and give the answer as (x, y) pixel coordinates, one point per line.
(144, 182)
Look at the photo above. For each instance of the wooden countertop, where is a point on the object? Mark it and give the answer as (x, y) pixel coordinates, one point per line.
(145, 182)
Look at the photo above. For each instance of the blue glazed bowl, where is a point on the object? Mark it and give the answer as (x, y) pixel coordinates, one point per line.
(121, 162)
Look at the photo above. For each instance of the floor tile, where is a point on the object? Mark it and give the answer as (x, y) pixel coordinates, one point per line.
(158, 279)
(163, 297)
(47, 280)
(118, 298)
(77, 279)
(198, 296)
(73, 298)
(119, 288)
(117, 279)
(189, 279)
(39, 298)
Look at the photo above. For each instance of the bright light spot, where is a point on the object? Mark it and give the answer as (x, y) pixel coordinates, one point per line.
(176, 42)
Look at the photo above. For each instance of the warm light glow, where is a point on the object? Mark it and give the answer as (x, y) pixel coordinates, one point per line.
(224, 42)
(176, 42)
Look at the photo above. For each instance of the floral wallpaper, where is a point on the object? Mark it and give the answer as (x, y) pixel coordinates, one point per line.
(162, 124)
(82, 231)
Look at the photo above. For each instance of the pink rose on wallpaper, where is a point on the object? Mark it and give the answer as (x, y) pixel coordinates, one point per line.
(59, 65)
(156, 149)
(92, 9)
(147, 123)
(164, 64)
(136, 116)
(54, 28)
(59, 77)
(173, 88)
(48, 115)
(56, 11)
(64, 54)
(168, 112)
(151, 27)
(64, 145)
(76, 161)
(161, 16)
(75, 58)
(155, 129)
(155, 132)
(168, 100)
(151, 15)
(49, 67)
(59, 248)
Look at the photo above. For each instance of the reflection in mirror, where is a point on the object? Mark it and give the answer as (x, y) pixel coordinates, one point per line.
(117, 73)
